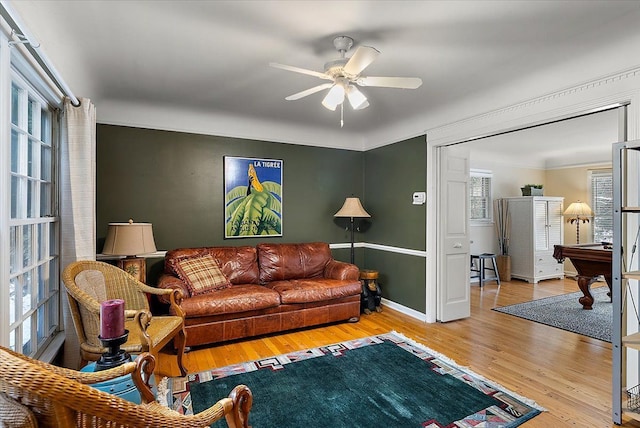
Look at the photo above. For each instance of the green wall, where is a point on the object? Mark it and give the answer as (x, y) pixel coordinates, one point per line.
(392, 174)
(175, 181)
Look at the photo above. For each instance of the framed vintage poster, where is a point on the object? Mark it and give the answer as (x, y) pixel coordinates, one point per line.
(252, 197)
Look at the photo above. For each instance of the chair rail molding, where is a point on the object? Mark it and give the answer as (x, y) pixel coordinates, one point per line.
(387, 248)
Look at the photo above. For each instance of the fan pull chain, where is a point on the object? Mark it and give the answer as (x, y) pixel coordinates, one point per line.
(342, 115)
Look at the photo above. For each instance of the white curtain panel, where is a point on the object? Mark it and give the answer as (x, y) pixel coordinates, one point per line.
(77, 202)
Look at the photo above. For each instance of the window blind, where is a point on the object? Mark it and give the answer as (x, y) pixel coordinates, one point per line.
(480, 195)
(602, 205)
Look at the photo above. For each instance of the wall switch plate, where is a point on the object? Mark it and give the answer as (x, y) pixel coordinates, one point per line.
(419, 198)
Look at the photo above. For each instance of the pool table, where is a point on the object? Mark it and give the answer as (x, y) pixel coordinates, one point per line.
(590, 261)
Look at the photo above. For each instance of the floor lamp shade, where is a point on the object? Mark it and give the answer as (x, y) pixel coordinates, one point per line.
(578, 212)
(130, 239)
(352, 208)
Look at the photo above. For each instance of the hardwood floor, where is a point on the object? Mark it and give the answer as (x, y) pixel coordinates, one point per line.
(566, 373)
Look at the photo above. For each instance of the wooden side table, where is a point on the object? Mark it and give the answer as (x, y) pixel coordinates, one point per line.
(371, 292)
(122, 386)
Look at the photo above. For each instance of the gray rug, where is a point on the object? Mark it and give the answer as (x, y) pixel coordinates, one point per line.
(566, 313)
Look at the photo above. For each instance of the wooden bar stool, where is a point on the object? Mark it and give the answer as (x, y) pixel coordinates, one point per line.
(480, 266)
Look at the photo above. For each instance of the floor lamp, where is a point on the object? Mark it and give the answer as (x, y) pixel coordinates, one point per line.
(352, 208)
(578, 212)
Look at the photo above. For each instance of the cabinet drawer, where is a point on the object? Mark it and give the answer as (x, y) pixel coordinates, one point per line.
(545, 259)
(549, 269)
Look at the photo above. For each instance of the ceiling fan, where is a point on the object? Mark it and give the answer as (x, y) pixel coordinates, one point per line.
(345, 73)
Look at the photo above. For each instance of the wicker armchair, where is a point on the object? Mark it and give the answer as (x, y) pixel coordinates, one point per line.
(90, 282)
(37, 394)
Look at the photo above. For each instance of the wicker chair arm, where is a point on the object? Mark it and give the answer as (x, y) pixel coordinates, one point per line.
(99, 376)
(142, 320)
(130, 313)
(148, 289)
(175, 295)
(82, 377)
(175, 298)
(242, 399)
(235, 408)
(144, 366)
(205, 418)
(61, 401)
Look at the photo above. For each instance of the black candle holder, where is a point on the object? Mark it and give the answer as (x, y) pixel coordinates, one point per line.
(115, 356)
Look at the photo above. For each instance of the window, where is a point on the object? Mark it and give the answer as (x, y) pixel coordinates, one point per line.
(480, 196)
(34, 297)
(602, 205)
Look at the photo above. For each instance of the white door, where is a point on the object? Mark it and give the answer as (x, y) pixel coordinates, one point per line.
(556, 223)
(453, 261)
(541, 225)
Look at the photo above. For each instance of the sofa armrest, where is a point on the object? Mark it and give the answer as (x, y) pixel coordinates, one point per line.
(341, 270)
(168, 281)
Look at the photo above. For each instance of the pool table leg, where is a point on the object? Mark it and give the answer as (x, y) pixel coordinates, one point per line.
(608, 279)
(584, 282)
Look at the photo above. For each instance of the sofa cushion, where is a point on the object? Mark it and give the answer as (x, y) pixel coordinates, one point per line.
(201, 274)
(280, 262)
(239, 264)
(314, 290)
(174, 256)
(239, 298)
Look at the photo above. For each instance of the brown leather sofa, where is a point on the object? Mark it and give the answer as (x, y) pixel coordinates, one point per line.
(274, 287)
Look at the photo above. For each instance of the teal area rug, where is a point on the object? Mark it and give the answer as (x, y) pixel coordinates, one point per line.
(379, 381)
(566, 313)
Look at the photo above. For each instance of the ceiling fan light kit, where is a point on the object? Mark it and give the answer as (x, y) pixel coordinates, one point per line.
(345, 73)
(356, 98)
(334, 97)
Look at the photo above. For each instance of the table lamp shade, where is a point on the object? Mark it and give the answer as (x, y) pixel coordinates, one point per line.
(352, 208)
(129, 239)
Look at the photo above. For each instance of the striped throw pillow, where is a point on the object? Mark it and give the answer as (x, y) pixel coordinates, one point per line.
(202, 275)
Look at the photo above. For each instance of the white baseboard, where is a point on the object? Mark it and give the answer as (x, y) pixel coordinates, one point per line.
(405, 310)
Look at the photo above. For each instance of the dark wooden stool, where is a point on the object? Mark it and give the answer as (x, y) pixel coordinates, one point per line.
(371, 292)
(481, 267)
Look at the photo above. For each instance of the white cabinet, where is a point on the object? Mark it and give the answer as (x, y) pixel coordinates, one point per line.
(536, 225)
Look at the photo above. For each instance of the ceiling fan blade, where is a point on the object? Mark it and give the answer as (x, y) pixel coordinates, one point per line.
(390, 82)
(361, 58)
(309, 91)
(300, 70)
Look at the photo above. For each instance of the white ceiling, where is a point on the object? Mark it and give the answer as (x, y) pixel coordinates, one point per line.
(580, 141)
(202, 66)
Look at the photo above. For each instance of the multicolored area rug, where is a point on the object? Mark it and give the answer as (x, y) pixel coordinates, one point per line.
(379, 381)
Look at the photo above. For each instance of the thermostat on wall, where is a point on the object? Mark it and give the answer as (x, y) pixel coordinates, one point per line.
(419, 198)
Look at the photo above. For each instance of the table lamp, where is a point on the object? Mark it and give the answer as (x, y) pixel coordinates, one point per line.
(352, 208)
(578, 212)
(130, 240)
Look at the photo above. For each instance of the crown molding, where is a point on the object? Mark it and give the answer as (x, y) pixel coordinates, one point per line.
(584, 98)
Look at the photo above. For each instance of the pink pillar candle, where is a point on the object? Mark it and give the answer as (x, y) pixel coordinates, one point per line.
(111, 318)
